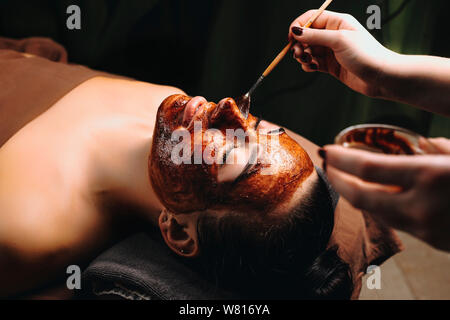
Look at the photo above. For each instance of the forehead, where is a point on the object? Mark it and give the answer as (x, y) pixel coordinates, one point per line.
(284, 168)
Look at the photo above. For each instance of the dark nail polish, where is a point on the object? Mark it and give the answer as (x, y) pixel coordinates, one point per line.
(305, 57)
(323, 154)
(324, 166)
(297, 31)
(313, 66)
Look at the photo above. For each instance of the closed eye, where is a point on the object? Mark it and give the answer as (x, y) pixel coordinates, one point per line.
(249, 171)
(258, 122)
(227, 153)
(251, 165)
(277, 131)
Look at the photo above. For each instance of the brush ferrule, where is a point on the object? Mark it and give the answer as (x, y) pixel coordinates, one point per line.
(255, 85)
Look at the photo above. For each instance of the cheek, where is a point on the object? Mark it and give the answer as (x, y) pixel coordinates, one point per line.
(276, 182)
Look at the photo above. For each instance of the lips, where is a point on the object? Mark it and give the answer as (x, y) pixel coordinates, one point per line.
(224, 115)
(194, 106)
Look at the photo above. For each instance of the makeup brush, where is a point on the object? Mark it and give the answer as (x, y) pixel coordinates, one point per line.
(243, 102)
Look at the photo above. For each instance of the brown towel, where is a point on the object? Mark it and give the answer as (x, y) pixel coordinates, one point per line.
(42, 47)
(29, 85)
(362, 242)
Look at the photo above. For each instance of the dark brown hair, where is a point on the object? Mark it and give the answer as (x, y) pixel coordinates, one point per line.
(279, 258)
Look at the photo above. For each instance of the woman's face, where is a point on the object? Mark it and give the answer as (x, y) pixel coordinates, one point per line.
(207, 156)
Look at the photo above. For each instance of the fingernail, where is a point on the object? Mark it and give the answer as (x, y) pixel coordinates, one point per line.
(313, 66)
(324, 166)
(297, 31)
(322, 153)
(305, 57)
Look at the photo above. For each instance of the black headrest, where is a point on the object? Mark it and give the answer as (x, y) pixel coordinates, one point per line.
(143, 267)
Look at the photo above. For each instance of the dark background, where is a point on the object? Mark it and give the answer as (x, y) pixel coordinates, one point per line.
(219, 48)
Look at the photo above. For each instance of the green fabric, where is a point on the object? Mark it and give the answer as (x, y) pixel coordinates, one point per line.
(320, 106)
(219, 48)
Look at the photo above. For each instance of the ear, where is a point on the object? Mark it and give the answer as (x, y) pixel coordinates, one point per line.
(180, 232)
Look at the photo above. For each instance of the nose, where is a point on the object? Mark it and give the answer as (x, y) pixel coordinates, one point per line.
(227, 104)
(225, 100)
(228, 114)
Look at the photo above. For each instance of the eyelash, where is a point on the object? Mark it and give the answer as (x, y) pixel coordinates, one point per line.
(258, 122)
(226, 154)
(278, 131)
(255, 169)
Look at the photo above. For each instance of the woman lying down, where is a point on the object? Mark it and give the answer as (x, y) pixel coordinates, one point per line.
(85, 155)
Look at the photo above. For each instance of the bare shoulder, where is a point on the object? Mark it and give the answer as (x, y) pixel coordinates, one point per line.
(35, 213)
(43, 205)
(42, 231)
(27, 233)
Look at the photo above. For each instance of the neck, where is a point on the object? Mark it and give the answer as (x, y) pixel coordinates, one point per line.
(120, 167)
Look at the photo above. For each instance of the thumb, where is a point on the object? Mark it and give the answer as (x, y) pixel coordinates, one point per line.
(442, 144)
(317, 37)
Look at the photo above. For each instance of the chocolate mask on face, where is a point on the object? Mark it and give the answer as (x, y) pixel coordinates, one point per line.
(189, 187)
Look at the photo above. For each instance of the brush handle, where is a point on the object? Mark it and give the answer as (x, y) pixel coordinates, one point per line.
(278, 58)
